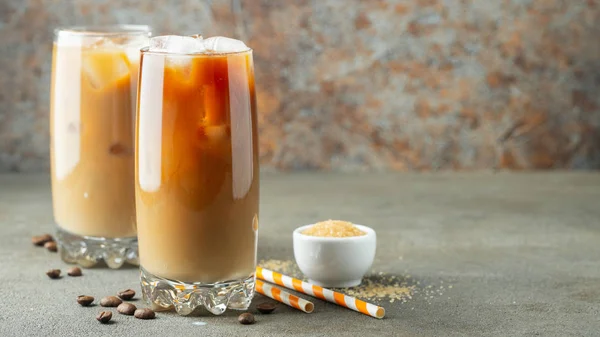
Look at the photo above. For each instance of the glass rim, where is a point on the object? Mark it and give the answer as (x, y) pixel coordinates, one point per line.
(146, 50)
(115, 30)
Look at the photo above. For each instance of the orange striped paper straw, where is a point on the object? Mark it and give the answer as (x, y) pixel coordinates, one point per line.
(284, 297)
(320, 292)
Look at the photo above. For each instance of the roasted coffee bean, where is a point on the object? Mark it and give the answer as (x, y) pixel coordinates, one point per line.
(85, 300)
(104, 316)
(110, 301)
(266, 308)
(53, 273)
(51, 246)
(126, 295)
(74, 271)
(40, 240)
(144, 313)
(126, 308)
(246, 318)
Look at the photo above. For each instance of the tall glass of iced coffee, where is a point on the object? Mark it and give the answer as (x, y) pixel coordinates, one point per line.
(197, 174)
(92, 129)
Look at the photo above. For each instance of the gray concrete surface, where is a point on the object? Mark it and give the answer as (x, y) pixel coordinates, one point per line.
(521, 251)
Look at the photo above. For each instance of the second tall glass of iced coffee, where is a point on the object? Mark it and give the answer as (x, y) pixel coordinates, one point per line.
(197, 174)
(93, 96)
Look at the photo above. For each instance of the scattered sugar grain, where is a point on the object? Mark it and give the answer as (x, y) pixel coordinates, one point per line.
(287, 267)
(382, 288)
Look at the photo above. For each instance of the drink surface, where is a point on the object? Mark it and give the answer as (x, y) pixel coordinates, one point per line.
(92, 139)
(197, 166)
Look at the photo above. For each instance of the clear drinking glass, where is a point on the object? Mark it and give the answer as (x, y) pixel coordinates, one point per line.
(92, 125)
(197, 181)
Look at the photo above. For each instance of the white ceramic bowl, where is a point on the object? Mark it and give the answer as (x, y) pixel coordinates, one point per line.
(335, 262)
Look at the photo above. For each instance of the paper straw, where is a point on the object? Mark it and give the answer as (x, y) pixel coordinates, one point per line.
(284, 297)
(320, 292)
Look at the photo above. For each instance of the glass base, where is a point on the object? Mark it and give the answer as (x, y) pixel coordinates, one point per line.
(186, 298)
(87, 251)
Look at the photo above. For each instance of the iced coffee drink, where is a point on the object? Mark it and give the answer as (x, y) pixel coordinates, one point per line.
(197, 174)
(92, 125)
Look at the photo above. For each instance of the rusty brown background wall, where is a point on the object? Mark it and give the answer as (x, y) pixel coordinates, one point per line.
(359, 85)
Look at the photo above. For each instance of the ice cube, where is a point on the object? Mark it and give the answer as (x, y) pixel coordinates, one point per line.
(133, 55)
(177, 44)
(100, 42)
(104, 67)
(119, 149)
(181, 64)
(133, 46)
(216, 133)
(220, 44)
